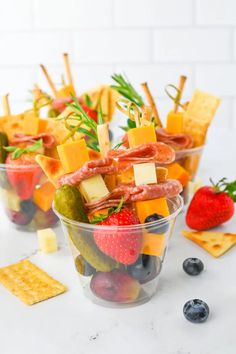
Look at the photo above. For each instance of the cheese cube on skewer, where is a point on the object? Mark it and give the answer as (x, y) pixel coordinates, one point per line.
(30, 123)
(146, 208)
(174, 122)
(73, 155)
(93, 188)
(141, 135)
(47, 240)
(145, 173)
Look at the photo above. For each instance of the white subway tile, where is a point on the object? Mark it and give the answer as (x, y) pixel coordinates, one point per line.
(15, 14)
(217, 79)
(112, 46)
(33, 48)
(192, 45)
(216, 12)
(157, 76)
(72, 14)
(146, 13)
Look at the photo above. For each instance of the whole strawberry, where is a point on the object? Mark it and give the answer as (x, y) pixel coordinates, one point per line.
(211, 205)
(122, 245)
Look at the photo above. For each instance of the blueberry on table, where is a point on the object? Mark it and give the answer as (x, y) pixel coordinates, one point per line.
(196, 311)
(28, 207)
(161, 229)
(145, 269)
(193, 266)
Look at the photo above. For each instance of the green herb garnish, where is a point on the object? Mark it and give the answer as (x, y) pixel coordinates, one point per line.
(125, 88)
(18, 152)
(88, 101)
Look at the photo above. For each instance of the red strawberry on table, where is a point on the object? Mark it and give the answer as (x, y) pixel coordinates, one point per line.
(211, 205)
(122, 245)
(23, 174)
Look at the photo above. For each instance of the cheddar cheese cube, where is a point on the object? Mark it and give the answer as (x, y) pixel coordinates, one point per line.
(47, 241)
(145, 208)
(93, 188)
(145, 173)
(126, 176)
(43, 123)
(175, 171)
(153, 244)
(162, 174)
(66, 91)
(43, 196)
(73, 155)
(174, 122)
(30, 123)
(141, 135)
(110, 181)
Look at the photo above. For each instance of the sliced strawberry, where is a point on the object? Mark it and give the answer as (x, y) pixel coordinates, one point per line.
(23, 174)
(122, 245)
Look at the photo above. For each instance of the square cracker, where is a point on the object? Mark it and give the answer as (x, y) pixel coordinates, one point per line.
(29, 283)
(199, 114)
(215, 243)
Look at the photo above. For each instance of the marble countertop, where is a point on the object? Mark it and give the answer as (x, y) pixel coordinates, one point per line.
(71, 324)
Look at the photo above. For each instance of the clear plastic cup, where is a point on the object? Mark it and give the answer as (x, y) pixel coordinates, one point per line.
(189, 159)
(17, 187)
(108, 282)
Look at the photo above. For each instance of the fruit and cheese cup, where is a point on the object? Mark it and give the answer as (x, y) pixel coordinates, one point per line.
(133, 280)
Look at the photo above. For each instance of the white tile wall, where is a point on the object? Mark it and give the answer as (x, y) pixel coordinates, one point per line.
(149, 40)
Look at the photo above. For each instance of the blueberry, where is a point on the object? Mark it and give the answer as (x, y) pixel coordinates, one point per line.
(83, 267)
(193, 266)
(196, 311)
(18, 217)
(161, 229)
(28, 207)
(145, 269)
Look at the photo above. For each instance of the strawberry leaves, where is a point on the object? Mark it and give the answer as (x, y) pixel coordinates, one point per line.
(227, 187)
(113, 210)
(18, 152)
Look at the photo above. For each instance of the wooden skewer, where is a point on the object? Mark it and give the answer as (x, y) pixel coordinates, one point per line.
(147, 112)
(151, 103)
(182, 80)
(67, 68)
(6, 105)
(49, 80)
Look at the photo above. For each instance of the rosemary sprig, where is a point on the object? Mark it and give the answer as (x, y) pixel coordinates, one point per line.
(88, 101)
(18, 152)
(124, 87)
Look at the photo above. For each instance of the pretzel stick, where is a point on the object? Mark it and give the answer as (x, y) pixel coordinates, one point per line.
(6, 105)
(49, 80)
(151, 103)
(67, 67)
(182, 80)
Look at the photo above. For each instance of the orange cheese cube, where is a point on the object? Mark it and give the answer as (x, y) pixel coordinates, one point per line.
(43, 196)
(145, 208)
(43, 123)
(141, 135)
(174, 123)
(126, 176)
(98, 213)
(110, 181)
(153, 244)
(30, 123)
(73, 155)
(175, 171)
(66, 91)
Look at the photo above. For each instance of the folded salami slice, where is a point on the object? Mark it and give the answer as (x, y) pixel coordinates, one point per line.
(130, 193)
(89, 169)
(176, 141)
(152, 152)
(48, 139)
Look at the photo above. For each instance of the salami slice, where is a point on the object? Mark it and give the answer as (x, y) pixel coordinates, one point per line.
(89, 169)
(152, 152)
(131, 193)
(48, 139)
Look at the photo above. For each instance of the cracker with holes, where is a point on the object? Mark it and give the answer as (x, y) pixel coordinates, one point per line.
(215, 243)
(29, 283)
(198, 116)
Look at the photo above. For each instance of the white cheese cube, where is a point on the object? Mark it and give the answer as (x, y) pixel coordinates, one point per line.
(93, 188)
(103, 138)
(145, 173)
(47, 240)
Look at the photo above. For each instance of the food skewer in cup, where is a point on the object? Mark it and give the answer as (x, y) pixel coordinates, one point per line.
(49, 80)
(6, 105)
(182, 81)
(67, 69)
(151, 103)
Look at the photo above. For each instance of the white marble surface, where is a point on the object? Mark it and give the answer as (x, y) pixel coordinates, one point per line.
(71, 324)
